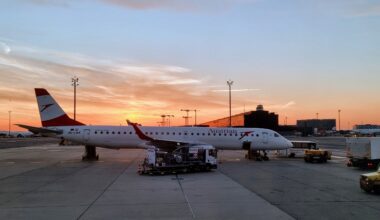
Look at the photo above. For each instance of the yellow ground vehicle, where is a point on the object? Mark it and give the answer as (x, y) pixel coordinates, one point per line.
(318, 155)
(370, 182)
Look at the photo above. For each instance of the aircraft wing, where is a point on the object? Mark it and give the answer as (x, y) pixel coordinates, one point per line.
(161, 143)
(40, 130)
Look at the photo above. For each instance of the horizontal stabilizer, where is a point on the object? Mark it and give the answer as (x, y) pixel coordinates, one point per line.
(39, 130)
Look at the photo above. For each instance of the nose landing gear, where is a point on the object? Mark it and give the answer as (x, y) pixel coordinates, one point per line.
(256, 155)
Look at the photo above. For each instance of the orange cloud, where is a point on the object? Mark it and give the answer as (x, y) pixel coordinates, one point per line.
(109, 92)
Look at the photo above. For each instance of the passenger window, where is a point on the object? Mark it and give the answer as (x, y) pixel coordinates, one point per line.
(156, 133)
(197, 134)
(167, 133)
(173, 133)
(96, 132)
(257, 135)
(107, 132)
(192, 133)
(185, 133)
(130, 132)
(151, 133)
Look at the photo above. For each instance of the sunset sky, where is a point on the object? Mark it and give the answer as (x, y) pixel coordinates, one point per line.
(138, 59)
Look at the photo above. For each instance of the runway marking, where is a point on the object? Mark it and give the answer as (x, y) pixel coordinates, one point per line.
(339, 157)
(106, 188)
(229, 160)
(185, 196)
(10, 162)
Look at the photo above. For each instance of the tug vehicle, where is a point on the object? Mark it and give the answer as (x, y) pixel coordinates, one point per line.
(370, 182)
(318, 155)
(182, 160)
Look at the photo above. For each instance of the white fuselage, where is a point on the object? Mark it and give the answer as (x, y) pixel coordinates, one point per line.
(221, 138)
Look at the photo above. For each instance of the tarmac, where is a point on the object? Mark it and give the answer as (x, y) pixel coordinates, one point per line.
(48, 181)
(51, 182)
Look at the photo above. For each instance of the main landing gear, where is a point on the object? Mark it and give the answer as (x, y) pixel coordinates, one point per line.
(90, 153)
(256, 155)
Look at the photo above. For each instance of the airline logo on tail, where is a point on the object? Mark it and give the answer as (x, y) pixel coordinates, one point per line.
(52, 115)
(45, 107)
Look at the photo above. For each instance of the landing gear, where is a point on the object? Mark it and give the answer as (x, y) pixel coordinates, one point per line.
(256, 155)
(90, 153)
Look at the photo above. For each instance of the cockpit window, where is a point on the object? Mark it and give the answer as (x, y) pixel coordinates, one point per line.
(276, 135)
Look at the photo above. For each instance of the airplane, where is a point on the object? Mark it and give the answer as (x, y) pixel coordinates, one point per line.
(371, 132)
(56, 121)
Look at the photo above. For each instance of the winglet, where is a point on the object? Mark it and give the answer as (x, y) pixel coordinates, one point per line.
(139, 133)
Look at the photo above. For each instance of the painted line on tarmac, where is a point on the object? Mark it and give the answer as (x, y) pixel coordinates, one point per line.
(338, 157)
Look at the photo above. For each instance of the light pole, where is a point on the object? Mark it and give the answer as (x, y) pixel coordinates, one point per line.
(74, 81)
(195, 114)
(9, 126)
(286, 120)
(169, 116)
(229, 83)
(317, 114)
(187, 116)
(163, 120)
(339, 118)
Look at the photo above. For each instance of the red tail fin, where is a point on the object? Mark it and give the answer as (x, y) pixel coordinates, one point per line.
(50, 112)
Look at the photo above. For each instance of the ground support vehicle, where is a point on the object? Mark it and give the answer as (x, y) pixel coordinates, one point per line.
(318, 155)
(370, 182)
(182, 160)
(363, 152)
(298, 149)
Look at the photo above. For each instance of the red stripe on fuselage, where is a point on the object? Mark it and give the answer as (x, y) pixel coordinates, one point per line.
(41, 92)
(62, 120)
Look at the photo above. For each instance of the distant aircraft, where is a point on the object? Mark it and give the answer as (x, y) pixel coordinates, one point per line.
(56, 121)
(372, 131)
(18, 134)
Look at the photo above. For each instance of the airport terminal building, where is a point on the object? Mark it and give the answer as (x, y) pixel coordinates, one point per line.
(254, 119)
(312, 126)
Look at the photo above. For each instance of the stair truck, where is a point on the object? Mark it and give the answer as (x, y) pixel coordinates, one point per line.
(363, 152)
(181, 160)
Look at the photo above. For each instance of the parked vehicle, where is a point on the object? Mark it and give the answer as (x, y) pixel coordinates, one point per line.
(181, 160)
(363, 152)
(370, 182)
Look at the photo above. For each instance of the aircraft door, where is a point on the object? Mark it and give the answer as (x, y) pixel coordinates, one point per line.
(86, 134)
(246, 145)
(265, 138)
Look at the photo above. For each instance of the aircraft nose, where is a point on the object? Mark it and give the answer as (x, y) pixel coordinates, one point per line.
(289, 143)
